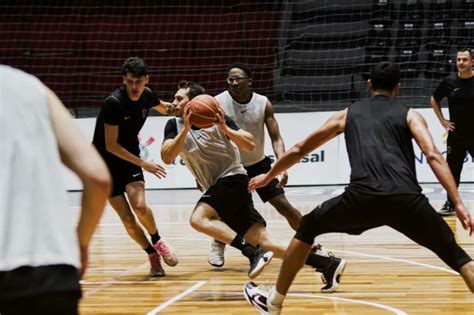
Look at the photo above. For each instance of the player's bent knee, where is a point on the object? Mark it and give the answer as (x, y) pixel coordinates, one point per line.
(198, 223)
(140, 210)
(307, 230)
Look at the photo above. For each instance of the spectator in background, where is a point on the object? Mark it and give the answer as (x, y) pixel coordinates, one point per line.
(458, 88)
(42, 254)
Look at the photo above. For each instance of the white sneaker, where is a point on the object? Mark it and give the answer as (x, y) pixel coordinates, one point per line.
(216, 255)
(258, 298)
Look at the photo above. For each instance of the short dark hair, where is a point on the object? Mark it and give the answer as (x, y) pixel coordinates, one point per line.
(194, 89)
(136, 66)
(385, 76)
(241, 66)
(465, 49)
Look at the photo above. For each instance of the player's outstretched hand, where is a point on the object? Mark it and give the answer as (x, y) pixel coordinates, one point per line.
(156, 169)
(283, 180)
(258, 181)
(448, 125)
(467, 220)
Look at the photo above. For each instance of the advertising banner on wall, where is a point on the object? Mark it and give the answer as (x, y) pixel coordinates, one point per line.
(328, 165)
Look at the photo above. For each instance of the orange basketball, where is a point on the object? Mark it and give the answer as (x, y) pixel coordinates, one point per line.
(203, 108)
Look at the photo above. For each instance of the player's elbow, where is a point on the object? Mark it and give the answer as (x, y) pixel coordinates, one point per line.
(249, 145)
(111, 147)
(166, 158)
(433, 156)
(99, 179)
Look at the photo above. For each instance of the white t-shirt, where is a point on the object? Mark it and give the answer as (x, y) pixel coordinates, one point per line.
(251, 118)
(36, 226)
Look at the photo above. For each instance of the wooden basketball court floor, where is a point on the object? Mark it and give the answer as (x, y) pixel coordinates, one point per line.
(386, 272)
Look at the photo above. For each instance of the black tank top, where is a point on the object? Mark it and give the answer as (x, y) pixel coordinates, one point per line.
(380, 148)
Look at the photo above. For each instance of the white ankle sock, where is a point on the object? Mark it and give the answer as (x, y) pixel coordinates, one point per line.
(275, 298)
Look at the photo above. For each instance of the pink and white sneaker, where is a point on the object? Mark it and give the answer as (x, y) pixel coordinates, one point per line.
(167, 252)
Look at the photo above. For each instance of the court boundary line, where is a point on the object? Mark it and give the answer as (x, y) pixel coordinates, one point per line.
(105, 285)
(136, 282)
(177, 297)
(364, 302)
(410, 262)
(401, 260)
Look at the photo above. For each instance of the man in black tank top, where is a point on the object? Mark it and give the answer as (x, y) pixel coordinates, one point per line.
(116, 138)
(383, 188)
(458, 88)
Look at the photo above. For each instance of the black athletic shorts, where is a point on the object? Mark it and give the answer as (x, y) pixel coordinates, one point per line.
(52, 289)
(231, 200)
(123, 173)
(411, 214)
(267, 192)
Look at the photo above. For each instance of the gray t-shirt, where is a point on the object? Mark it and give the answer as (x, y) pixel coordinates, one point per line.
(208, 153)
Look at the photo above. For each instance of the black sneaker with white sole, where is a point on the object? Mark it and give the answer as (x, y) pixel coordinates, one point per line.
(331, 275)
(258, 261)
(447, 210)
(258, 298)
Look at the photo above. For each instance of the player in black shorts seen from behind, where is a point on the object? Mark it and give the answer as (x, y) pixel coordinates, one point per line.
(383, 188)
(225, 211)
(458, 88)
(116, 138)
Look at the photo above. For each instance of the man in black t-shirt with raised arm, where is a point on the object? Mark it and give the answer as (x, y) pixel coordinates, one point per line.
(383, 188)
(458, 88)
(116, 138)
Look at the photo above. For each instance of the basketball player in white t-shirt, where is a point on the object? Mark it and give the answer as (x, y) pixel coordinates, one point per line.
(41, 250)
(253, 112)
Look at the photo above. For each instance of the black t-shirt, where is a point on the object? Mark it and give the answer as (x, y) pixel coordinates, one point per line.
(460, 94)
(129, 116)
(171, 129)
(380, 148)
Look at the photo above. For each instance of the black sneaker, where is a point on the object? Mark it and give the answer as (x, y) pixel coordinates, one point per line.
(447, 209)
(258, 261)
(331, 275)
